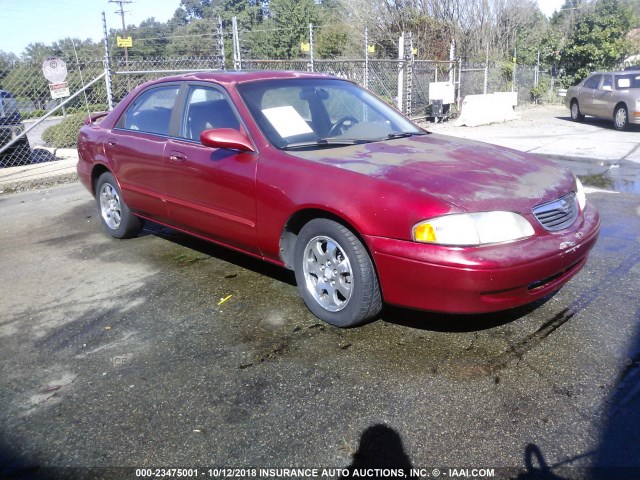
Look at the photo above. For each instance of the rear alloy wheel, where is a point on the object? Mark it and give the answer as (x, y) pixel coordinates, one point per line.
(575, 112)
(335, 274)
(115, 216)
(621, 118)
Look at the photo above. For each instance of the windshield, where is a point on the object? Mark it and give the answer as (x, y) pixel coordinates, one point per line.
(631, 80)
(312, 112)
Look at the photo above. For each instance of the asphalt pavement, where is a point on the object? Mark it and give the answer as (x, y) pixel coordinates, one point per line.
(165, 351)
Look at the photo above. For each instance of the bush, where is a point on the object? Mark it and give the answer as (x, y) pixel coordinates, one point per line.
(33, 114)
(540, 91)
(64, 134)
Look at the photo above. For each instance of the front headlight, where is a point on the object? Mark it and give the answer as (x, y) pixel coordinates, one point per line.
(466, 229)
(581, 195)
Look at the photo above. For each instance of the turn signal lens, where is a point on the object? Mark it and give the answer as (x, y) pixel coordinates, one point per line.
(424, 233)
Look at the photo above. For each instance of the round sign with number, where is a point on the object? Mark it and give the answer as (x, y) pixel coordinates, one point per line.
(54, 69)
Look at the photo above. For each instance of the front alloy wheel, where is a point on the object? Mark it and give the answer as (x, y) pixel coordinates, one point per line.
(327, 273)
(335, 274)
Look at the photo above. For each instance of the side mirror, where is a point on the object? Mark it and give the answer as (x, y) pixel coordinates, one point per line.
(607, 88)
(227, 138)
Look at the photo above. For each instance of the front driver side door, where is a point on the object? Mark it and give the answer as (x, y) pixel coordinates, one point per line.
(211, 192)
(602, 98)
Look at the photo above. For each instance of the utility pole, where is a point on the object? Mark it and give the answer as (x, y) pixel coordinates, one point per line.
(121, 3)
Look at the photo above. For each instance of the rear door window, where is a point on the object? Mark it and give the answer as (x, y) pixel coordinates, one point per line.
(151, 111)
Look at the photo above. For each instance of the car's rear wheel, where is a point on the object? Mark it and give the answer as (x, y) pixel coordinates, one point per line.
(335, 274)
(575, 112)
(115, 215)
(621, 118)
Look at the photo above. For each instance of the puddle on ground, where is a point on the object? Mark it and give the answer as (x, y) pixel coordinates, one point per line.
(622, 176)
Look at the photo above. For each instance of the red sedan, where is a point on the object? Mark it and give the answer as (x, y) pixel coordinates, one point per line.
(318, 175)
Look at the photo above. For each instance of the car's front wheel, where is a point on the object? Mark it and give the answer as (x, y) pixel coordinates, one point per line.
(621, 118)
(335, 274)
(115, 215)
(576, 116)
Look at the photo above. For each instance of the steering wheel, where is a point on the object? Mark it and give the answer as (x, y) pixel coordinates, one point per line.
(342, 125)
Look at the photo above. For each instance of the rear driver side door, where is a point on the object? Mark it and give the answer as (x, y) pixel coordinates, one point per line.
(136, 146)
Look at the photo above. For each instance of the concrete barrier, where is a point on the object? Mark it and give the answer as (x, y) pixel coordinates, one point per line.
(485, 109)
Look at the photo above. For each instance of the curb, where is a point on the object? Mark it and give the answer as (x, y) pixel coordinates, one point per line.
(46, 182)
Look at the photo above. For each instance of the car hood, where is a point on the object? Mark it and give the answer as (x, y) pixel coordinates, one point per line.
(473, 176)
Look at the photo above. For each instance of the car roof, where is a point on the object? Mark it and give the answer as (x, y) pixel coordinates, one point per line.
(243, 76)
(616, 72)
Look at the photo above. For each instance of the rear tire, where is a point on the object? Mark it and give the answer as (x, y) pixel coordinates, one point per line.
(335, 274)
(576, 116)
(116, 218)
(621, 118)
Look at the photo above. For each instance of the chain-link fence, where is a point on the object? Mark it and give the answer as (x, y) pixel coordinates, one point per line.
(30, 118)
(34, 126)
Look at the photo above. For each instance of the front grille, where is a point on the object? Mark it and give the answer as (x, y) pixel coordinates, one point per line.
(559, 214)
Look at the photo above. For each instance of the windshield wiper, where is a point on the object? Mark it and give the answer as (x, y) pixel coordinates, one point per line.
(324, 142)
(391, 136)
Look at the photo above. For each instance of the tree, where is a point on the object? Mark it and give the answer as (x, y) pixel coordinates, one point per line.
(287, 26)
(598, 40)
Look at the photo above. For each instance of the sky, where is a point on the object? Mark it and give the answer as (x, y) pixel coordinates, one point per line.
(31, 21)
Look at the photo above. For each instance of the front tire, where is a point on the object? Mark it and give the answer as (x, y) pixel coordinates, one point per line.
(621, 118)
(116, 218)
(335, 274)
(576, 116)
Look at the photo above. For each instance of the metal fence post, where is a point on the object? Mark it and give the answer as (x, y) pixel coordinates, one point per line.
(486, 70)
(366, 58)
(221, 44)
(513, 82)
(400, 72)
(237, 59)
(311, 46)
(107, 69)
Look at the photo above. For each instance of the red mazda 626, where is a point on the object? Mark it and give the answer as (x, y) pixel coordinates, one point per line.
(318, 175)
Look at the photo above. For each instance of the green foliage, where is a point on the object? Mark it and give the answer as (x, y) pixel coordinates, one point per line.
(287, 28)
(196, 39)
(540, 91)
(598, 40)
(331, 40)
(64, 134)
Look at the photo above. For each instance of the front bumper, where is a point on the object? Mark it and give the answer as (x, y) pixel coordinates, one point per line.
(482, 279)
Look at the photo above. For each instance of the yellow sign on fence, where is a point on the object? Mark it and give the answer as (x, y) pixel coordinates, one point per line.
(124, 42)
(371, 48)
(305, 47)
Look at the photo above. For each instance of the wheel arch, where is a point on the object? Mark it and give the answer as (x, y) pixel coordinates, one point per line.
(621, 103)
(299, 219)
(96, 172)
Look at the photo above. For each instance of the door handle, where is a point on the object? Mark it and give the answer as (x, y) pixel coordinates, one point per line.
(177, 157)
(112, 143)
